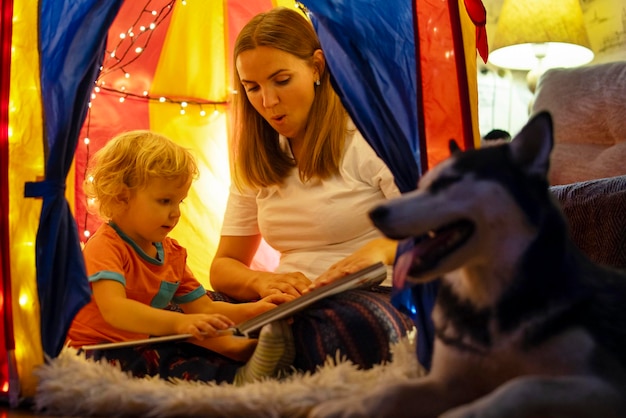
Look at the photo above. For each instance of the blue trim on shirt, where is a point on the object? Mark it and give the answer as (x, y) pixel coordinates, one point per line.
(107, 275)
(191, 296)
(159, 260)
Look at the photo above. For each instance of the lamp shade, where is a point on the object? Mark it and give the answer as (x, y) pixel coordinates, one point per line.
(549, 33)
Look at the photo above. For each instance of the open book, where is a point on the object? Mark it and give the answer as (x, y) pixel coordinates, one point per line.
(365, 278)
(362, 279)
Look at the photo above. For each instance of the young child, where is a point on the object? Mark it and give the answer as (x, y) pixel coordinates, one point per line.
(139, 180)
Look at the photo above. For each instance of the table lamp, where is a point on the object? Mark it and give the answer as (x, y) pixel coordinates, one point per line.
(536, 35)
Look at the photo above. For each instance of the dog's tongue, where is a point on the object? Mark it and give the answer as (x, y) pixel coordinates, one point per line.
(401, 268)
(411, 252)
(421, 255)
(420, 258)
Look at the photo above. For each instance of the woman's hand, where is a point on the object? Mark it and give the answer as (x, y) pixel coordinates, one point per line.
(231, 273)
(381, 249)
(292, 284)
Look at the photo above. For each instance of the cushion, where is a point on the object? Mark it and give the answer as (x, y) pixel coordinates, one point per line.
(587, 107)
(571, 163)
(595, 212)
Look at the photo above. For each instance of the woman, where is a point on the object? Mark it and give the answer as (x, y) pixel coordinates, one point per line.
(304, 179)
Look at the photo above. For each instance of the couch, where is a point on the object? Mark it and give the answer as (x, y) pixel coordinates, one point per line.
(596, 213)
(588, 107)
(588, 162)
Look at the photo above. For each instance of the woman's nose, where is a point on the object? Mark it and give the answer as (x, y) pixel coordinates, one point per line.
(270, 98)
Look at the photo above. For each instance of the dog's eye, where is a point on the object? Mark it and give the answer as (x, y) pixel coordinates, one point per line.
(443, 182)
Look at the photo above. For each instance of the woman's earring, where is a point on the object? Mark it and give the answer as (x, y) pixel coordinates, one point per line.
(317, 83)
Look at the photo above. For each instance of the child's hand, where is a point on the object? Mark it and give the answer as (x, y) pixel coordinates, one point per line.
(269, 302)
(275, 299)
(263, 305)
(202, 326)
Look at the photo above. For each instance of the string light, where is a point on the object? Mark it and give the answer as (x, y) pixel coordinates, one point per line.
(302, 7)
(24, 300)
(145, 95)
(136, 42)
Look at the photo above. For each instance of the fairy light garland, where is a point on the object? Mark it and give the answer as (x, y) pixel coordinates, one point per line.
(183, 103)
(131, 46)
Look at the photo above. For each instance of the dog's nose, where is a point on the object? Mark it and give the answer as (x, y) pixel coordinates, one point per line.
(379, 213)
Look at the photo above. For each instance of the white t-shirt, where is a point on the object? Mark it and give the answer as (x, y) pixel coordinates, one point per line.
(315, 224)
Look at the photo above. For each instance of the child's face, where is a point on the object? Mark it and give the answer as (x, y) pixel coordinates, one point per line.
(153, 211)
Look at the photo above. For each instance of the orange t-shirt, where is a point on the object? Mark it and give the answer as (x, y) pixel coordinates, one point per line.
(111, 255)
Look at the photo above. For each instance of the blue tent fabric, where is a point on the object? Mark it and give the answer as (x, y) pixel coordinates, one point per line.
(371, 53)
(72, 38)
(418, 302)
(370, 49)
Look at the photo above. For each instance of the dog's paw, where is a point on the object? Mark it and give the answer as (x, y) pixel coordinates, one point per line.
(536, 396)
(468, 411)
(484, 408)
(393, 401)
(340, 408)
(509, 400)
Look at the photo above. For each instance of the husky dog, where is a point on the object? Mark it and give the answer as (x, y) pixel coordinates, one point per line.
(526, 325)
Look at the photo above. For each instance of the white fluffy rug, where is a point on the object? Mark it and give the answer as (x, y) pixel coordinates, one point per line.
(70, 385)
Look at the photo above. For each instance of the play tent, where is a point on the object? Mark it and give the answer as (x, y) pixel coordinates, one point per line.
(76, 72)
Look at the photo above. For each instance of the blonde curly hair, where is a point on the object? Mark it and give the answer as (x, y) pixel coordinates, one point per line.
(129, 161)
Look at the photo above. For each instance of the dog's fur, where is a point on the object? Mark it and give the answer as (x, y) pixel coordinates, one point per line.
(526, 325)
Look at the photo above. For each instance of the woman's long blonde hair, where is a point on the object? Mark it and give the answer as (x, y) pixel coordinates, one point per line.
(256, 157)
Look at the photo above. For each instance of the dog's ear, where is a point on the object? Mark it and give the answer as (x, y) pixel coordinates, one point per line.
(454, 147)
(532, 146)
